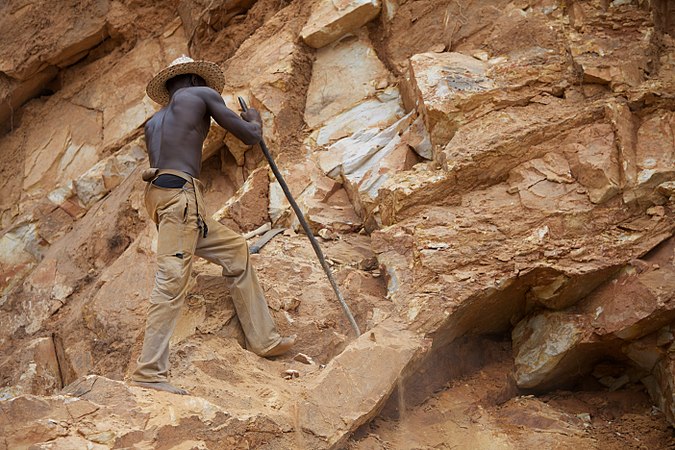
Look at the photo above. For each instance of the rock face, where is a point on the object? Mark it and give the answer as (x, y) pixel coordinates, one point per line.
(30, 59)
(473, 170)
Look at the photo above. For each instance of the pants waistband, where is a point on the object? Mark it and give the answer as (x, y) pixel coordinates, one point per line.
(179, 173)
(150, 175)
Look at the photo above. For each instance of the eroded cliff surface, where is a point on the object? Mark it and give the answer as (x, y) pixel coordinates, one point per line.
(493, 184)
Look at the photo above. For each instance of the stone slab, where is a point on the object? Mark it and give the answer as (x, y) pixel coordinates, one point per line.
(354, 62)
(330, 20)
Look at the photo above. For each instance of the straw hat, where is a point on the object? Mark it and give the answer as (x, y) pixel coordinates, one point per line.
(209, 71)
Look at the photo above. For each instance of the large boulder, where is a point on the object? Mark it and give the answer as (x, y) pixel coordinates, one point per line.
(451, 89)
(361, 74)
(486, 150)
(553, 348)
(332, 20)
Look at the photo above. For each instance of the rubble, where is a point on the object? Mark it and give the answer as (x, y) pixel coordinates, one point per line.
(305, 359)
(290, 374)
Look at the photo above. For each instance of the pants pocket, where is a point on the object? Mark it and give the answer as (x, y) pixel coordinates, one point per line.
(171, 278)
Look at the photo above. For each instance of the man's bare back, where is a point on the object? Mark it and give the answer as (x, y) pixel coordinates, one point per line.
(174, 135)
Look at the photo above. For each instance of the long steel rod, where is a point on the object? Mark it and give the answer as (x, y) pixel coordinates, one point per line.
(305, 226)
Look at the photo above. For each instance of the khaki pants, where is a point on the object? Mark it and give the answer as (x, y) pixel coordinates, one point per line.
(176, 213)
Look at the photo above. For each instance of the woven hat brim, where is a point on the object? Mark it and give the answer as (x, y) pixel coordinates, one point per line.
(210, 72)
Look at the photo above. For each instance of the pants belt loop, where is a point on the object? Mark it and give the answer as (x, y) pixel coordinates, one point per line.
(200, 207)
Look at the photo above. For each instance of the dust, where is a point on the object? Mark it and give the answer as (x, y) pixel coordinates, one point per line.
(472, 411)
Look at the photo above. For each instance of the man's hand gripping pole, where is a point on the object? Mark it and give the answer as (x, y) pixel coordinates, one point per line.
(305, 227)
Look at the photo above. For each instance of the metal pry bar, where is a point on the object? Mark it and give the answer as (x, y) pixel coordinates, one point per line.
(305, 226)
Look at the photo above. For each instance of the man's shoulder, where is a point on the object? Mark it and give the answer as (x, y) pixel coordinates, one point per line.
(155, 117)
(202, 92)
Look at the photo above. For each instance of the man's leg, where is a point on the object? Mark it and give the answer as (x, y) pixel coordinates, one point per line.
(175, 247)
(228, 249)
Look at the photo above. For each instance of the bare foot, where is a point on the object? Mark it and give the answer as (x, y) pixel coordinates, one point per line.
(161, 387)
(282, 347)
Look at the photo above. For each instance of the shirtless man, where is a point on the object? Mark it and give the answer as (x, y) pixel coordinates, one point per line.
(174, 137)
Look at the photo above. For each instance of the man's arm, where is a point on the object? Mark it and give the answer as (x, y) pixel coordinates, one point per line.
(247, 129)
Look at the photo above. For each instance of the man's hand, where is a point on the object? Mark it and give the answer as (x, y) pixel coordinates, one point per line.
(252, 115)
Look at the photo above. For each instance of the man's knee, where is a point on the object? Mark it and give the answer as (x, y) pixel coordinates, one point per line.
(242, 245)
(238, 258)
(171, 276)
(167, 296)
